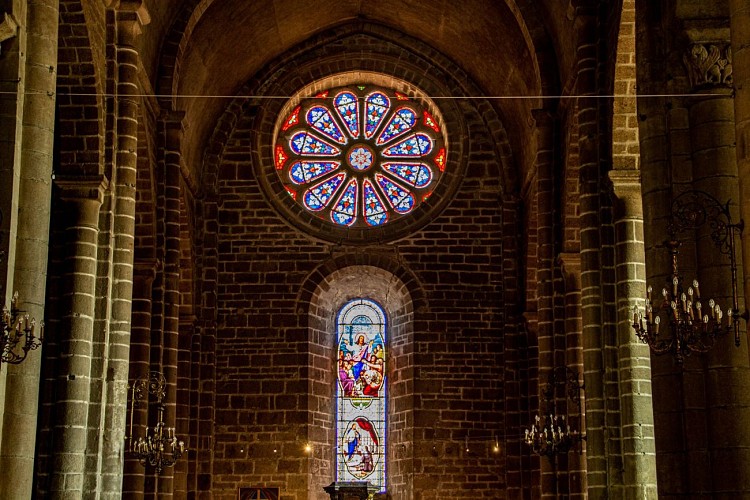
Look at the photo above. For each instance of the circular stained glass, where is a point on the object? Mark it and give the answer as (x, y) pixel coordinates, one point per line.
(360, 156)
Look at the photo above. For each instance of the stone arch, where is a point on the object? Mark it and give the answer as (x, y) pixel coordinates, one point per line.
(328, 288)
(80, 89)
(324, 60)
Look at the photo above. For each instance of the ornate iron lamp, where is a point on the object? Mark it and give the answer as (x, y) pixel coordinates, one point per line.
(159, 447)
(551, 434)
(17, 338)
(692, 325)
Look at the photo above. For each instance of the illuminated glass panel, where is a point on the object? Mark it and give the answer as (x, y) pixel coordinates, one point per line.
(361, 393)
(388, 146)
(344, 211)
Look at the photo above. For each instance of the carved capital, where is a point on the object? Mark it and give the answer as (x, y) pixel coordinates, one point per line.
(709, 66)
(570, 265)
(626, 188)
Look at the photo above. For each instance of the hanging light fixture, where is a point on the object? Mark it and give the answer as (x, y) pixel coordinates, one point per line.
(18, 334)
(552, 434)
(691, 324)
(159, 447)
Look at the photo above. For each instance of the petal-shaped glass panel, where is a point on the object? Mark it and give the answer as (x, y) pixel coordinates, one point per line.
(347, 108)
(417, 175)
(401, 122)
(377, 106)
(302, 172)
(374, 209)
(412, 147)
(400, 199)
(345, 209)
(321, 119)
(317, 197)
(304, 143)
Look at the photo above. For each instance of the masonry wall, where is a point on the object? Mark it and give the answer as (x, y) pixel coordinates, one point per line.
(263, 342)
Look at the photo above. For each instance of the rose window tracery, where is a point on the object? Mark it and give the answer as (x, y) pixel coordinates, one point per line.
(360, 156)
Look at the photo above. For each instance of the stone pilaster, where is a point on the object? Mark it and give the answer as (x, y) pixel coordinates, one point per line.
(82, 198)
(36, 60)
(634, 365)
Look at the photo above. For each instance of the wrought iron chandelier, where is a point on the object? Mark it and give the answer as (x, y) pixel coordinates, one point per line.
(159, 447)
(552, 434)
(692, 325)
(18, 334)
(17, 337)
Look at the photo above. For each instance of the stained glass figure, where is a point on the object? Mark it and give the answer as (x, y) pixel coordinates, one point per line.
(354, 159)
(361, 393)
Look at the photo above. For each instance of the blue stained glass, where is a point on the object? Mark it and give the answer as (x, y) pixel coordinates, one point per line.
(401, 122)
(375, 211)
(317, 197)
(344, 210)
(304, 143)
(400, 199)
(348, 109)
(303, 172)
(321, 119)
(377, 106)
(417, 175)
(361, 393)
(412, 147)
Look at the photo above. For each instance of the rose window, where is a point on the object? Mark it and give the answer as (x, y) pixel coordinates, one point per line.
(360, 156)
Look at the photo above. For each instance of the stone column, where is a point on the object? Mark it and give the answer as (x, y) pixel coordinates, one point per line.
(591, 279)
(634, 364)
(140, 365)
(172, 153)
(570, 264)
(35, 117)
(82, 198)
(130, 17)
(545, 201)
(727, 373)
(740, 32)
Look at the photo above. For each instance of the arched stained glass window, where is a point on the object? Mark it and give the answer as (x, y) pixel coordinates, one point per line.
(360, 155)
(361, 393)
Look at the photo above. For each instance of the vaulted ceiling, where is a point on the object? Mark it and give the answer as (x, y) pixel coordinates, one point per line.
(201, 52)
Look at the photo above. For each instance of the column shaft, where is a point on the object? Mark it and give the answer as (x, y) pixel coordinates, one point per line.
(32, 238)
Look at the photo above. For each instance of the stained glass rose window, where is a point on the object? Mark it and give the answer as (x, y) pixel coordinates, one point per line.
(360, 156)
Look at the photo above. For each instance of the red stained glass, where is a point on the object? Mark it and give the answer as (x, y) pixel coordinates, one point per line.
(322, 95)
(401, 97)
(281, 157)
(430, 122)
(293, 119)
(440, 159)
